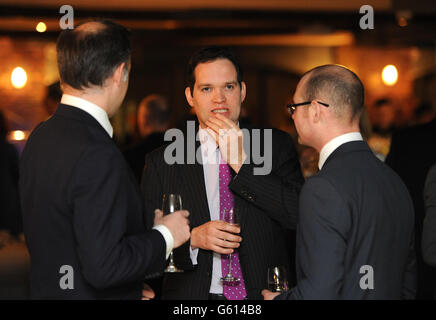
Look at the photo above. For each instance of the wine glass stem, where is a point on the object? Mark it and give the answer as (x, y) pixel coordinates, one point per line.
(230, 264)
(171, 258)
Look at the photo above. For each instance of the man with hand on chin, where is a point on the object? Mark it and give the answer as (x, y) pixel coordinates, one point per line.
(226, 178)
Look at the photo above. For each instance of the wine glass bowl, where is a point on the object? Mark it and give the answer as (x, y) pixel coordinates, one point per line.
(230, 216)
(277, 280)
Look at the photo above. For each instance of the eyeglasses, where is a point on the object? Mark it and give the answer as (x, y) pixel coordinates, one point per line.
(291, 107)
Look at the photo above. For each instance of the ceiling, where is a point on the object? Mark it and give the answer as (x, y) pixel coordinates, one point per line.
(244, 22)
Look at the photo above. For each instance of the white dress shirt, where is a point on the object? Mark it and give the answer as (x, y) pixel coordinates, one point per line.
(211, 159)
(335, 143)
(98, 113)
(102, 118)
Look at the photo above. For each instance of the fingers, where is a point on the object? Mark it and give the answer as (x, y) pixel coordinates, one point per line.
(218, 236)
(184, 213)
(223, 122)
(221, 250)
(265, 294)
(147, 292)
(227, 227)
(228, 237)
(269, 295)
(158, 214)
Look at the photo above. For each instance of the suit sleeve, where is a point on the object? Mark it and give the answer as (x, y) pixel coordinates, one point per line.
(101, 198)
(323, 229)
(276, 193)
(429, 228)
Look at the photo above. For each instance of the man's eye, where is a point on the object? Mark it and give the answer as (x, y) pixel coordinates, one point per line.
(205, 89)
(230, 87)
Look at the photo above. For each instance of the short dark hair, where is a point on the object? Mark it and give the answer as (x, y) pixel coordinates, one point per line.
(343, 87)
(209, 54)
(89, 58)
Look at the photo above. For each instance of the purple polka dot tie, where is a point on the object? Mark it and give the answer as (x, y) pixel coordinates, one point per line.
(230, 291)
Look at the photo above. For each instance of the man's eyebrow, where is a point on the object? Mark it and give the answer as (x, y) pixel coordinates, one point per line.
(210, 85)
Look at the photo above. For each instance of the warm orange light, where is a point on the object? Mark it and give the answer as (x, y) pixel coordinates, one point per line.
(18, 135)
(41, 27)
(19, 77)
(390, 75)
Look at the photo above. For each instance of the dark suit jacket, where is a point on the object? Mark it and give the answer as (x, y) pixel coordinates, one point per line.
(429, 228)
(268, 207)
(411, 155)
(82, 208)
(355, 212)
(135, 155)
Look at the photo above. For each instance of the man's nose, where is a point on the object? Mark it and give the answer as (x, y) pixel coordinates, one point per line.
(219, 96)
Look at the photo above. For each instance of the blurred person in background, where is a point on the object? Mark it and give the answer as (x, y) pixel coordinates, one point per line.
(52, 98)
(385, 123)
(152, 119)
(10, 215)
(412, 153)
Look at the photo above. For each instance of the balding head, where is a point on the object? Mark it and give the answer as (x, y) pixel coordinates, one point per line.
(89, 54)
(337, 86)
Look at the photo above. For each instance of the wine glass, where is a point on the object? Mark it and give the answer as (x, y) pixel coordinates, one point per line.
(171, 203)
(230, 216)
(277, 281)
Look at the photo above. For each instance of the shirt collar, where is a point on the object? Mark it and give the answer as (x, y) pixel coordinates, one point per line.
(206, 140)
(335, 143)
(94, 110)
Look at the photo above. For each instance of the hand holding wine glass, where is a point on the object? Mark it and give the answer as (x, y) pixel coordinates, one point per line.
(177, 223)
(171, 203)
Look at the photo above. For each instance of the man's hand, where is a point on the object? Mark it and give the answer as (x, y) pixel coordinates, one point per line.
(269, 295)
(147, 292)
(178, 224)
(218, 236)
(229, 138)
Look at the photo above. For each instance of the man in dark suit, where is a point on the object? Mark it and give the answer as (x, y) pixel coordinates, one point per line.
(355, 234)
(429, 226)
(411, 155)
(82, 210)
(264, 194)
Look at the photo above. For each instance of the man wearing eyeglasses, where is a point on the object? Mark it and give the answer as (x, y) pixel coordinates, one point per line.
(355, 234)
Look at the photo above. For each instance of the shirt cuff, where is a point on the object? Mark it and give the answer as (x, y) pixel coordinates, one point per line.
(169, 240)
(193, 254)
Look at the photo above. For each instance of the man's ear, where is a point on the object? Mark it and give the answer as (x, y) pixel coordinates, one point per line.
(315, 109)
(243, 91)
(188, 96)
(119, 74)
